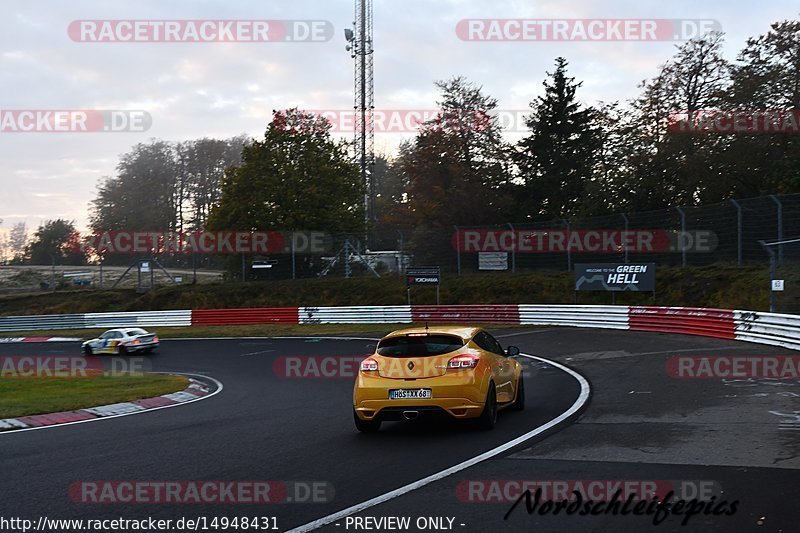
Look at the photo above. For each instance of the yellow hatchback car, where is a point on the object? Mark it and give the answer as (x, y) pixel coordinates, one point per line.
(461, 372)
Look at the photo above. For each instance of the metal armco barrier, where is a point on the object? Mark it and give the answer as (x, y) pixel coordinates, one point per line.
(768, 328)
(42, 322)
(142, 318)
(748, 326)
(581, 316)
(397, 314)
(461, 314)
(717, 323)
(238, 317)
(96, 320)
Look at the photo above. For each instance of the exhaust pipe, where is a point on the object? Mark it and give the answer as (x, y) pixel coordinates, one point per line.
(410, 415)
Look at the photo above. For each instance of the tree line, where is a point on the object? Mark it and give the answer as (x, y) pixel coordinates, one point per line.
(575, 159)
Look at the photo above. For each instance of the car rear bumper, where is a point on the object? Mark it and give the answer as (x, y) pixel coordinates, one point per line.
(460, 396)
(141, 347)
(413, 409)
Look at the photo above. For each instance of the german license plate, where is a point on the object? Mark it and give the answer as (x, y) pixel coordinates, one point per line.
(410, 394)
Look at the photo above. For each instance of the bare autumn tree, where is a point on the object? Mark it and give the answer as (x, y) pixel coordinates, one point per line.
(766, 76)
(670, 169)
(141, 195)
(18, 240)
(202, 164)
(458, 166)
(165, 186)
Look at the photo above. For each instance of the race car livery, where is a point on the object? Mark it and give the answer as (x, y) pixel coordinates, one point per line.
(121, 341)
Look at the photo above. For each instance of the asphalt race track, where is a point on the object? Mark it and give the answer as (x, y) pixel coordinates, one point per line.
(739, 437)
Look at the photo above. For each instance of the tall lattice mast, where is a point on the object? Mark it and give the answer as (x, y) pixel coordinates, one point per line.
(361, 49)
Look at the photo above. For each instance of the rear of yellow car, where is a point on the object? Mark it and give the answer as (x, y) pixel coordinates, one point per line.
(421, 373)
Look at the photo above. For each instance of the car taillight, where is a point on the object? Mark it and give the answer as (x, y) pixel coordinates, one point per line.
(137, 341)
(463, 361)
(369, 365)
(155, 339)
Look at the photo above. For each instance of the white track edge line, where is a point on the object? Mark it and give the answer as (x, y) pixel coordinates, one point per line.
(54, 426)
(579, 402)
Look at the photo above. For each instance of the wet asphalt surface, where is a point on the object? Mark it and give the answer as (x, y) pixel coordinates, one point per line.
(735, 440)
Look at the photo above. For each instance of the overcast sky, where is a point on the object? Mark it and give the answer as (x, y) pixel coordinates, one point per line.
(194, 90)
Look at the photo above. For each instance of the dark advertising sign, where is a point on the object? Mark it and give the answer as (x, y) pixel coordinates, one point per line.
(615, 277)
(423, 276)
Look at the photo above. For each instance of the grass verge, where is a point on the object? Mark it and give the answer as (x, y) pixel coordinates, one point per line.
(32, 396)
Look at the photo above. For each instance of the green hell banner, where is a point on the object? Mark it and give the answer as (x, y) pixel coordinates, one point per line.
(615, 277)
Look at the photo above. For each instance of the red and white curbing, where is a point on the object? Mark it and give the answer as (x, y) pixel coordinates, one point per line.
(194, 391)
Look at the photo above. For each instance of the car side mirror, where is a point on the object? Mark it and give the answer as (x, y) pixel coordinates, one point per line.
(512, 351)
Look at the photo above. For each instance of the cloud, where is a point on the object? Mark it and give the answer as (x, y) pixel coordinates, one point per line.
(225, 89)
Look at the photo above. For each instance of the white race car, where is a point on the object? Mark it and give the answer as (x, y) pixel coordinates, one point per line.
(121, 341)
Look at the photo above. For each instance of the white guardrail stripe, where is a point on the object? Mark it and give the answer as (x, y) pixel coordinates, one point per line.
(141, 318)
(768, 328)
(581, 316)
(96, 320)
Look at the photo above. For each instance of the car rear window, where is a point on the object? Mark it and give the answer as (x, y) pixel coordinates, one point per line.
(132, 332)
(419, 346)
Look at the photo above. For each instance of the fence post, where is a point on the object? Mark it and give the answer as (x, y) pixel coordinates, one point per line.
(401, 267)
(681, 241)
(294, 257)
(569, 251)
(458, 249)
(738, 231)
(627, 224)
(780, 227)
(771, 274)
(347, 248)
(513, 249)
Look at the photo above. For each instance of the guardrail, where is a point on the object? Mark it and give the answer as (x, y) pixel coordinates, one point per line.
(580, 316)
(749, 326)
(768, 328)
(238, 317)
(717, 323)
(396, 314)
(42, 322)
(140, 318)
(461, 314)
(96, 320)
